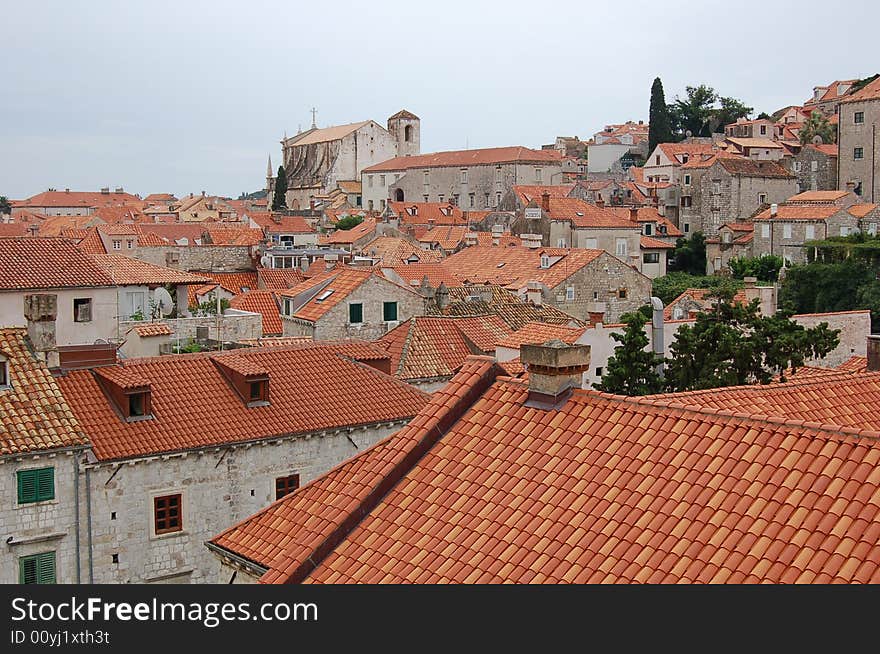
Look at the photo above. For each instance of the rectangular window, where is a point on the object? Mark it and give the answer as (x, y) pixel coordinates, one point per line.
(36, 485)
(859, 117)
(4, 373)
(498, 174)
(539, 175)
(37, 568)
(497, 199)
(762, 198)
(651, 257)
(256, 391)
(858, 153)
(621, 294)
(381, 180)
(288, 307)
(686, 201)
(716, 186)
(487, 200)
(82, 309)
(687, 180)
(844, 230)
(117, 244)
(471, 200)
(786, 230)
(620, 247)
(592, 244)
(464, 176)
(810, 232)
(599, 371)
(136, 405)
(649, 229)
(130, 244)
(872, 229)
(369, 181)
(814, 166)
(167, 513)
(286, 485)
(657, 160)
(797, 166)
(569, 294)
(765, 231)
(425, 177)
(355, 313)
(454, 199)
(425, 197)
(389, 311)
(763, 130)
(687, 228)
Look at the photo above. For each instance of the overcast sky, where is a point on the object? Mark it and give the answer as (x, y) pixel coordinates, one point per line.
(188, 96)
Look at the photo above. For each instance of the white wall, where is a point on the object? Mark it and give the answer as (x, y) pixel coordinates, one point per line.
(67, 332)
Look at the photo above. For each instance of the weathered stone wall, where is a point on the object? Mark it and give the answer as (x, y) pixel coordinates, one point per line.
(734, 198)
(865, 135)
(235, 325)
(216, 258)
(815, 170)
(854, 328)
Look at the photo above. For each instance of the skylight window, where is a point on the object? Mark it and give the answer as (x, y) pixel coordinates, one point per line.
(323, 296)
(579, 213)
(501, 265)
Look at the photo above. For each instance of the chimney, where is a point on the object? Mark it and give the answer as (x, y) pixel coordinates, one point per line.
(40, 311)
(105, 190)
(634, 214)
(533, 293)
(851, 187)
(774, 210)
(531, 241)
(600, 202)
(119, 189)
(873, 352)
(67, 190)
(661, 209)
(555, 369)
(657, 333)
(441, 297)
(545, 202)
(596, 311)
(470, 239)
(203, 194)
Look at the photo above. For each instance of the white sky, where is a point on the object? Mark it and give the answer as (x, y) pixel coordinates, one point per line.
(186, 96)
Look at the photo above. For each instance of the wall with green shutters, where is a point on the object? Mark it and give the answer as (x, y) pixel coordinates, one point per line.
(36, 485)
(37, 568)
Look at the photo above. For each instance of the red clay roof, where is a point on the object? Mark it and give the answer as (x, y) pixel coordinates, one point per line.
(81, 199)
(311, 389)
(235, 283)
(281, 224)
(414, 273)
(750, 168)
(448, 238)
(153, 329)
(13, 229)
(349, 236)
(264, 303)
(535, 333)
(279, 278)
(527, 193)
(648, 243)
(605, 489)
(586, 215)
(861, 210)
(515, 265)
(854, 364)
(393, 251)
(818, 196)
(35, 263)
(477, 157)
(801, 212)
(34, 415)
(432, 347)
(428, 213)
(125, 271)
(870, 91)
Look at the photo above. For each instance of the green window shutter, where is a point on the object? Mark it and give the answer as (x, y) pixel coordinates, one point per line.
(389, 311)
(355, 313)
(27, 486)
(37, 568)
(45, 484)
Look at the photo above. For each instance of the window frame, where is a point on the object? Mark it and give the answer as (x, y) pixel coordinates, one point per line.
(858, 153)
(654, 257)
(42, 481)
(283, 485)
(385, 306)
(40, 560)
(79, 302)
(360, 306)
(168, 529)
(857, 115)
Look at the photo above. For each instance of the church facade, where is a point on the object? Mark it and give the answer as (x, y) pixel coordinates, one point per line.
(322, 162)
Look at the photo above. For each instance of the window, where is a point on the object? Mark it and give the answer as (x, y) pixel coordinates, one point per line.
(872, 229)
(797, 166)
(425, 177)
(545, 261)
(591, 244)
(464, 176)
(455, 197)
(471, 200)
(620, 247)
(323, 296)
(765, 231)
(762, 198)
(858, 153)
(117, 244)
(487, 200)
(37, 568)
(82, 309)
(844, 230)
(599, 371)
(657, 160)
(389, 311)
(595, 295)
(569, 294)
(288, 307)
(859, 117)
(381, 204)
(130, 244)
(497, 199)
(498, 174)
(686, 200)
(4, 373)
(786, 230)
(687, 228)
(407, 133)
(539, 174)
(649, 229)
(651, 257)
(369, 181)
(369, 205)
(36, 485)
(425, 198)
(621, 294)
(355, 313)
(810, 232)
(561, 243)
(716, 186)
(167, 514)
(684, 158)
(286, 485)
(136, 405)
(687, 180)
(135, 303)
(814, 166)
(256, 391)
(381, 180)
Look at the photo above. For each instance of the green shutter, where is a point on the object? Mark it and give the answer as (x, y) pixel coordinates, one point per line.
(37, 568)
(355, 313)
(36, 485)
(389, 311)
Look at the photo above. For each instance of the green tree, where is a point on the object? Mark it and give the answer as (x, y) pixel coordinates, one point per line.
(817, 125)
(766, 267)
(632, 370)
(703, 111)
(763, 116)
(690, 254)
(5, 207)
(733, 345)
(209, 307)
(730, 111)
(279, 197)
(670, 286)
(348, 222)
(659, 122)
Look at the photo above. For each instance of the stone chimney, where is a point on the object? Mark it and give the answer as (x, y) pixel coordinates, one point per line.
(534, 294)
(634, 213)
(873, 352)
(545, 202)
(497, 231)
(470, 239)
(531, 241)
(40, 311)
(441, 297)
(774, 210)
(555, 369)
(596, 311)
(600, 202)
(851, 187)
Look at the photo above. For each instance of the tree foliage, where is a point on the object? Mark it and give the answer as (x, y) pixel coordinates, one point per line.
(733, 345)
(670, 286)
(632, 370)
(5, 207)
(659, 122)
(763, 116)
(765, 268)
(690, 255)
(209, 307)
(817, 125)
(702, 111)
(348, 222)
(279, 196)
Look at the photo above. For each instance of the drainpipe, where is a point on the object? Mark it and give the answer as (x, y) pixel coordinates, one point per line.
(89, 522)
(76, 512)
(657, 331)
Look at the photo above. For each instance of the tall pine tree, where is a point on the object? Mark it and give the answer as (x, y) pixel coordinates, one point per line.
(659, 123)
(633, 369)
(279, 197)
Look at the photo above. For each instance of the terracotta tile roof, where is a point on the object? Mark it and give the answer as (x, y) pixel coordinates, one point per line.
(513, 367)
(13, 229)
(862, 210)
(278, 278)
(160, 197)
(281, 224)
(324, 134)
(854, 364)
(235, 283)
(818, 196)
(349, 236)
(275, 341)
(740, 227)
(34, 415)
(414, 273)
(37, 263)
(117, 229)
(605, 489)
(528, 193)
(81, 199)
(153, 329)
(751, 168)
(754, 143)
(427, 213)
(486, 239)
(242, 236)
(649, 214)
(392, 251)
(699, 296)
(349, 186)
(672, 150)
(193, 405)
(448, 238)
(121, 214)
(535, 333)
(264, 303)
(125, 271)
(831, 92)
(55, 225)
(801, 212)
(334, 215)
(432, 347)
(476, 157)
(745, 238)
(828, 148)
(175, 233)
(586, 215)
(514, 312)
(515, 265)
(706, 160)
(648, 243)
(870, 91)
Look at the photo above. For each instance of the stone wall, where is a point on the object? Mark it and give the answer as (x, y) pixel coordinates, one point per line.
(815, 170)
(865, 135)
(235, 325)
(216, 258)
(792, 248)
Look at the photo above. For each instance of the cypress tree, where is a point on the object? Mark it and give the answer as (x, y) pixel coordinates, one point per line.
(632, 369)
(659, 123)
(279, 200)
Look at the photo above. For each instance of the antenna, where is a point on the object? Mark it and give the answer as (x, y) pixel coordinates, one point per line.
(164, 302)
(314, 113)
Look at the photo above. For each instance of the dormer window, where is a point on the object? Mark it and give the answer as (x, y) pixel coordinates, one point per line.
(649, 229)
(545, 261)
(136, 405)
(256, 391)
(4, 373)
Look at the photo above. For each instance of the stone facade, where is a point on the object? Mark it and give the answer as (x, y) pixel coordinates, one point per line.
(216, 258)
(235, 325)
(786, 238)
(859, 147)
(815, 169)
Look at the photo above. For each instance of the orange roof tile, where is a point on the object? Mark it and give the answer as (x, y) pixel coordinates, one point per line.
(505, 240)
(476, 157)
(870, 91)
(854, 364)
(81, 199)
(235, 283)
(701, 297)
(124, 271)
(584, 214)
(482, 488)
(428, 213)
(535, 333)
(193, 406)
(393, 251)
(413, 274)
(527, 193)
(515, 265)
(55, 225)
(801, 212)
(37, 263)
(648, 243)
(818, 196)
(751, 168)
(34, 415)
(278, 278)
(349, 236)
(13, 229)
(448, 238)
(264, 303)
(862, 210)
(274, 223)
(513, 311)
(153, 329)
(242, 236)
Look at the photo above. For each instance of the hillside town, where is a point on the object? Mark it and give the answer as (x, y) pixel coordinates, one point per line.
(648, 355)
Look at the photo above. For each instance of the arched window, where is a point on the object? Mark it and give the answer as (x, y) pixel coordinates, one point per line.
(398, 195)
(407, 133)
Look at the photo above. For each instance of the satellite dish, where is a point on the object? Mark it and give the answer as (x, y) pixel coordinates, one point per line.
(265, 260)
(164, 303)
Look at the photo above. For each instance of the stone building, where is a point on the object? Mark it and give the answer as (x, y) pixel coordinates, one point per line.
(859, 143)
(184, 446)
(77, 203)
(573, 280)
(827, 99)
(469, 179)
(319, 161)
(733, 188)
(815, 167)
(734, 240)
(347, 302)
